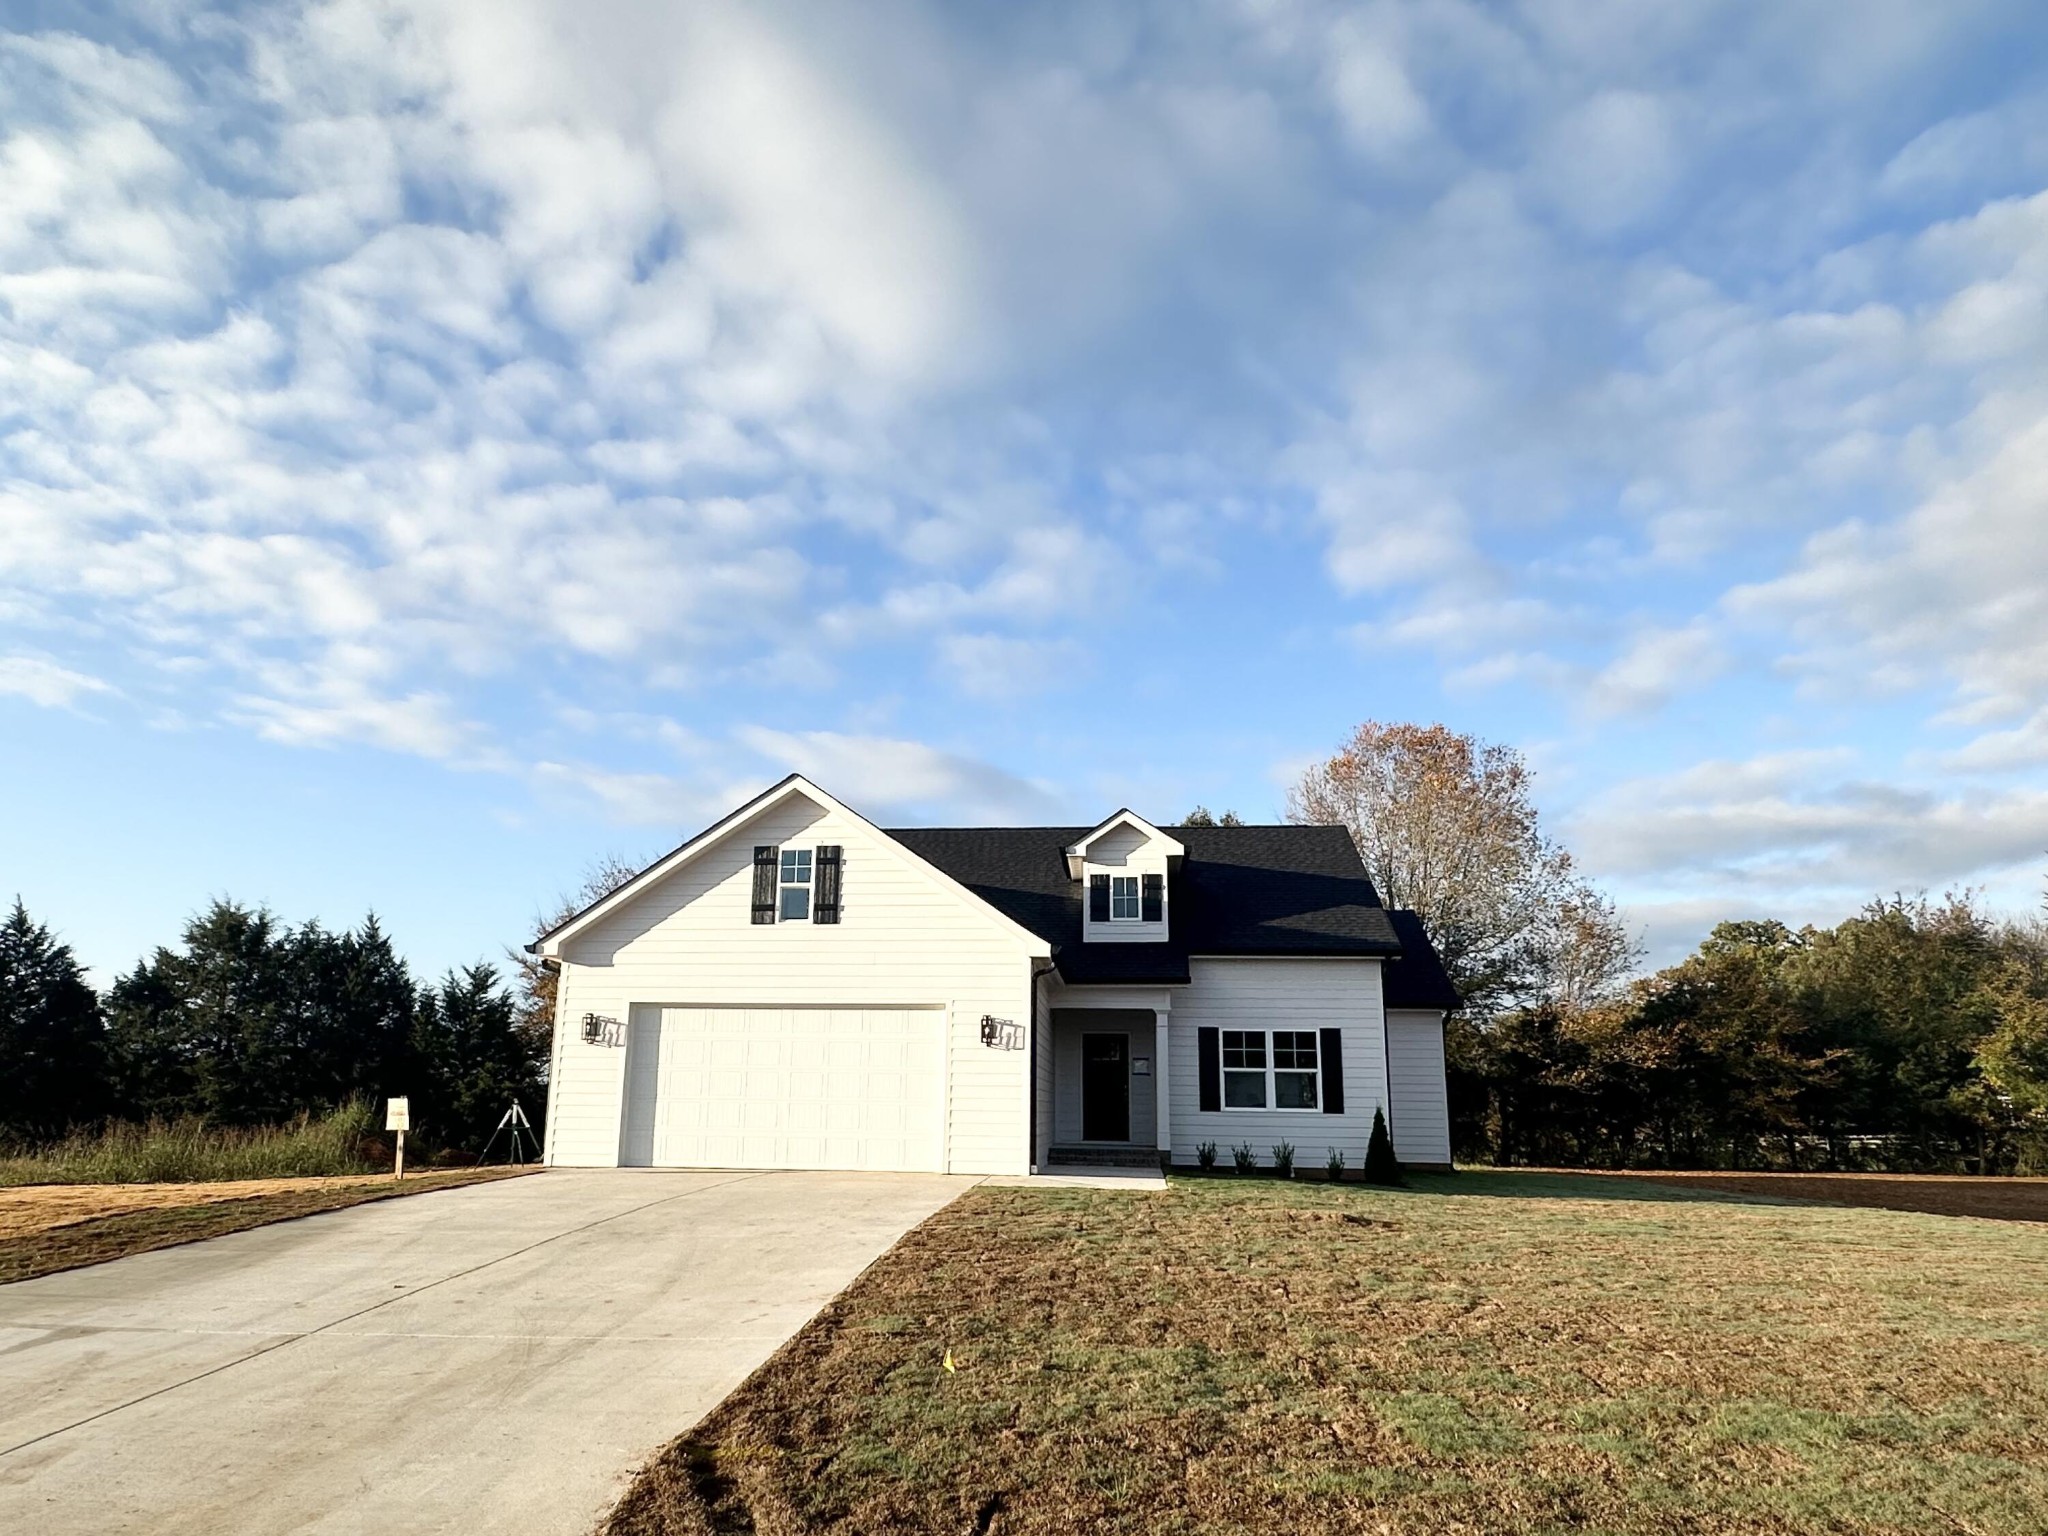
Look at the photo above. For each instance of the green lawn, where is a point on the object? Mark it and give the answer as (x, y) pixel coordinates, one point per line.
(1483, 1352)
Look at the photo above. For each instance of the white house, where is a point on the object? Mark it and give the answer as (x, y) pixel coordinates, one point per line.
(798, 988)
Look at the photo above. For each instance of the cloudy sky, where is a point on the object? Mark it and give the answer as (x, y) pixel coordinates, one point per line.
(443, 443)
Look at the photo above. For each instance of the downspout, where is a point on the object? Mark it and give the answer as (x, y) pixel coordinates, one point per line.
(1037, 975)
(1387, 1058)
(556, 1047)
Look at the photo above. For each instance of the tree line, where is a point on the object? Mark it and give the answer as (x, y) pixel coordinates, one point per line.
(250, 1021)
(1912, 1036)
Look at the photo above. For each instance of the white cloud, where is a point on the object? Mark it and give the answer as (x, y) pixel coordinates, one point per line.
(1957, 589)
(1657, 664)
(340, 700)
(641, 799)
(890, 777)
(1994, 150)
(1006, 668)
(2023, 746)
(813, 199)
(43, 681)
(1781, 827)
(1381, 111)
(1609, 162)
(446, 357)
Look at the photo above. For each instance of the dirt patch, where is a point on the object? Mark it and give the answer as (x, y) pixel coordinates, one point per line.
(45, 1228)
(2001, 1199)
(1491, 1353)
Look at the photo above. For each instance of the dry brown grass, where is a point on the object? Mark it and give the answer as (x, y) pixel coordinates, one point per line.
(37, 1207)
(1938, 1194)
(1500, 1353)
(49, 1227)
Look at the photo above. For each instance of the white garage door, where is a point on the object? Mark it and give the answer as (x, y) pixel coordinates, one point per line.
(784, 1088)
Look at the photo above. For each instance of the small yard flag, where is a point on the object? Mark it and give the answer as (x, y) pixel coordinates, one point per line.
(949, 1361)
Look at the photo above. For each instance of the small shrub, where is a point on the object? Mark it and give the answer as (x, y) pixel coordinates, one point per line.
(1336, 1166)
(1283, 1159)
(1205, 1153)
(1381, 1167)
(1244, 1157)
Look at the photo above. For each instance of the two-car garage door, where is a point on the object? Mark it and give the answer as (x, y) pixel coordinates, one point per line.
(784, 1088)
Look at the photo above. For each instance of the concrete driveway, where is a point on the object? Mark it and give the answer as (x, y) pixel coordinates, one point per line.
(494, 1359)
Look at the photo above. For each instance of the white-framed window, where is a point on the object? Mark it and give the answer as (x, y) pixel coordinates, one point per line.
(795, 890)
(1125, 902)
(1294, 1069)
(1274, 1068)
(1244, 1069)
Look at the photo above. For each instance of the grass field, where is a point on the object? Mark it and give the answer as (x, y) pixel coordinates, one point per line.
(1935, 1193)
(46, 1228)
(1497, 1353)
(342, 1141)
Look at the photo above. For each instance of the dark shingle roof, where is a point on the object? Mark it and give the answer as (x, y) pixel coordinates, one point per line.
(1240, 891)
(1418, 979)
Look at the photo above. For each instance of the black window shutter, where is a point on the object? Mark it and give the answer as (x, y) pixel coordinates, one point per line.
(1209, 1046)
(1154, 909)
(1331, 1055)
(825, 899)
(767, 860)
(1098, 898)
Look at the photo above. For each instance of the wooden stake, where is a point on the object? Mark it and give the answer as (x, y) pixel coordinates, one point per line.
(399, 1171)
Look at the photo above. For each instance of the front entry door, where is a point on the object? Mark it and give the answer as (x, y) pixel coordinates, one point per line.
(1105, 1088)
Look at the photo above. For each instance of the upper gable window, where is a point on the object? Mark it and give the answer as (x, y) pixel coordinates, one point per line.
(1124, 905)
(796, 885)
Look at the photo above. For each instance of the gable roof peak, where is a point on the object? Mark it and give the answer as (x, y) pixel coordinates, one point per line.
(550, 943)
(1123, 816)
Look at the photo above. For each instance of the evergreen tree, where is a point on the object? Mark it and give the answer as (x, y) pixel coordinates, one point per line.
(253, 1022)
(1380, 1164)
(54, 1069)
(352, 1004)
(474, 1059)
(209, 1030)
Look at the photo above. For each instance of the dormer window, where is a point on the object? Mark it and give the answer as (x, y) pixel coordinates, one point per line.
(1124, 900)
(1123, 866)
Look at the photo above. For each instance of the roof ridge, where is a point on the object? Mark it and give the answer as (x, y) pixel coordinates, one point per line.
(1164, 826)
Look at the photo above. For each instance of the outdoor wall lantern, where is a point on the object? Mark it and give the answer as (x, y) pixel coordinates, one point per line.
(1001, 1034)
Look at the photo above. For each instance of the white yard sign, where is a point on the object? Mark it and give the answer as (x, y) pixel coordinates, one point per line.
(398, 1117)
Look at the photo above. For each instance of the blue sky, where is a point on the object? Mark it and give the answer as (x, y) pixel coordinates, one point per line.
(441, 444)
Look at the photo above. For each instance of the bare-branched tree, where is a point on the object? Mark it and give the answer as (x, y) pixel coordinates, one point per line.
(536, 985)
(1447, 825)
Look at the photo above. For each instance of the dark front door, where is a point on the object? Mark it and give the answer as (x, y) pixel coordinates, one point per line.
(1105, 1088)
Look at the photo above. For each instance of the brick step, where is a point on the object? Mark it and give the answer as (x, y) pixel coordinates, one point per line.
(1105, 1157)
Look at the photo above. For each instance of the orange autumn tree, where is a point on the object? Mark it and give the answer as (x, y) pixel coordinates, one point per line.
(1447, 825)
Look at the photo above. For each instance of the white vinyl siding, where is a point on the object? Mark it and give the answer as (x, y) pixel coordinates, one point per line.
(1276, 994)
(1415, 1067)
(904, 940)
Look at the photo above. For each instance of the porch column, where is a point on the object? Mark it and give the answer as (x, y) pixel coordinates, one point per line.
(1162, 1118)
